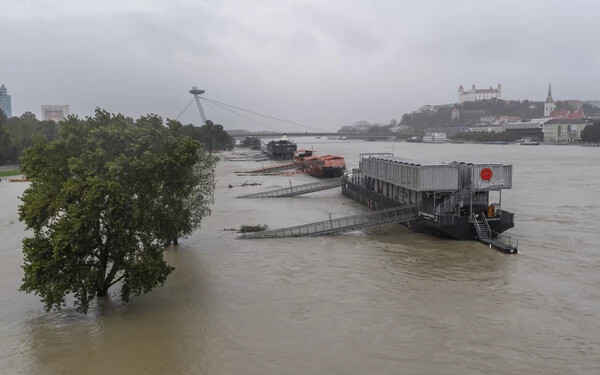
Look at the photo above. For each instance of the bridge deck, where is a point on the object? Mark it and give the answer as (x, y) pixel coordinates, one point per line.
(340, 225)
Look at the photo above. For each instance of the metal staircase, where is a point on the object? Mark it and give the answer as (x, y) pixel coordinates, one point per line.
(343, 224)
(295, 190)
(482, 228)
(484, 235)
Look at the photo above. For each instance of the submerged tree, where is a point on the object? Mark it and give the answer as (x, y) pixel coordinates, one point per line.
(105, 199)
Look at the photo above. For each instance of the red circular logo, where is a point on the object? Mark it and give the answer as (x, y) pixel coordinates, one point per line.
(486, 174)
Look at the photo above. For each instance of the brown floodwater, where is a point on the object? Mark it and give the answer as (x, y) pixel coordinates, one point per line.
(382, 301)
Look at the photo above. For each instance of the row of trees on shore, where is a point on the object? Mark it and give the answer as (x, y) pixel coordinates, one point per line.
(106, 196)
(17, 133)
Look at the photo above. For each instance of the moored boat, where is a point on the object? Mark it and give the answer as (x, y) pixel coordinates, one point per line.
(282, 148)
(325, 166)
(320, 166)
(529, 142)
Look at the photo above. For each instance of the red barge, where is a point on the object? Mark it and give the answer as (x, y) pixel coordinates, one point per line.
(320, 166)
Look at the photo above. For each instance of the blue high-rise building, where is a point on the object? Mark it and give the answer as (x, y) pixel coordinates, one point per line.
(5, 104)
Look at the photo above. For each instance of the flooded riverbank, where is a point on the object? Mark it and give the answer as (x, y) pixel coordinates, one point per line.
(382, 301)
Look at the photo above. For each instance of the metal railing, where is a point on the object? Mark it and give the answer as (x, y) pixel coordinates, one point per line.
(453, 199)
(481, 227)
(487, 226)
(340, 225)
(294, 190)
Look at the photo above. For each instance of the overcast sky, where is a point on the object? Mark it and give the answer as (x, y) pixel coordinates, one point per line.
(322, 63)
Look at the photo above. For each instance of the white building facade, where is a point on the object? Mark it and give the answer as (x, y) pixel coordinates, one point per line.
(563, 130)
(55, 113)
(476, 94)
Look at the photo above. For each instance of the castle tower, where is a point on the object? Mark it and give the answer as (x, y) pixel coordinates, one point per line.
(549, 105)
(461, 91)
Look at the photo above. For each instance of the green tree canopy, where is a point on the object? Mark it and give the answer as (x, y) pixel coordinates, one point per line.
(591, 133)
(105, 198)
(17, 133)
(211, 135)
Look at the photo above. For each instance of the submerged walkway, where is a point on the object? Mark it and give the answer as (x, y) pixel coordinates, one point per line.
(271, 169)
(295, 190)
(340, 225)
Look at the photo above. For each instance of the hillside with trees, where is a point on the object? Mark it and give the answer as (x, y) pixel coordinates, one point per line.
(471, 112)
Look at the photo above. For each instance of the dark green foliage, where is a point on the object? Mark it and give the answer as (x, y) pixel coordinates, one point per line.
(105, 198)
(591, 133)
(562, 105)
(212, 136)
(17, 133)
(590, 110)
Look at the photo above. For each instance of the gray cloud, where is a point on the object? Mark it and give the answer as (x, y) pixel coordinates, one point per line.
(325, 64)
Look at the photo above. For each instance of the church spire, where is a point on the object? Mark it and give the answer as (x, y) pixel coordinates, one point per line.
(549, 98)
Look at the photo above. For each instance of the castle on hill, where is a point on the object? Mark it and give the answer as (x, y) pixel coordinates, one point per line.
(476, 94)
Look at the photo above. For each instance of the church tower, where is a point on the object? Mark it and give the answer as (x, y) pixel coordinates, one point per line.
(549, 105)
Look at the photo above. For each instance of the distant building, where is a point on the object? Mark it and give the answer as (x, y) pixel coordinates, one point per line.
(455, 114)
(488, 119)
(5, 102)
(489, 129)
(507, 119)
(55, 113)
(475, 94)
(563, 130)
(434, 138)
(567, 114)
(402, 129)
(531, 130)
(362, 126)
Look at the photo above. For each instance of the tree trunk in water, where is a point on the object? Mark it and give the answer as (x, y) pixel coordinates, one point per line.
(175, 242)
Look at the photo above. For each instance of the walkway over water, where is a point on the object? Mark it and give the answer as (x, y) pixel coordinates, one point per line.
(295, 190)
(343, 224)
(275, 168)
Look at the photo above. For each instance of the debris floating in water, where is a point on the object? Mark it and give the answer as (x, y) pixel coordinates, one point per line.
(253, 228)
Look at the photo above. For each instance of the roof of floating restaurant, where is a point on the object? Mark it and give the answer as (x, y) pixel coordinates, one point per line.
(425, 163)
(415, 162)
(436, 176)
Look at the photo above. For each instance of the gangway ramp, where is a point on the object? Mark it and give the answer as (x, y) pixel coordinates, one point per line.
(295, 190)
(343, 224)
(274, 168)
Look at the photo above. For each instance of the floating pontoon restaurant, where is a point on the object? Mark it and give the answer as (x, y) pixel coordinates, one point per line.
(454, 199)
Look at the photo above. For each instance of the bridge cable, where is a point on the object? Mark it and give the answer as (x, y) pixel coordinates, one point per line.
(186, 107)
(246, 117)
(260, 114)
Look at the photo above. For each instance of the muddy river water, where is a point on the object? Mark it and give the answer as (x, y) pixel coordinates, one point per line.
(382, 301)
